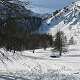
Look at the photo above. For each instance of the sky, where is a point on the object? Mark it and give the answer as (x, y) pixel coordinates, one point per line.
(48, 5)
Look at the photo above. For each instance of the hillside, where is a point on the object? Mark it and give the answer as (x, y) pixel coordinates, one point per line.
(26, 19)
(66, 20)
(39, 6)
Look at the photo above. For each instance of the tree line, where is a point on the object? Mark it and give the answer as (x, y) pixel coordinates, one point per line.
(16, 38)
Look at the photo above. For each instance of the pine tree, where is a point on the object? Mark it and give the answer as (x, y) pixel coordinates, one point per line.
(59, 42)
(71, 41)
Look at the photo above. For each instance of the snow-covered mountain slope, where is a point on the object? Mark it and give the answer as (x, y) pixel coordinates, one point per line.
(66, 20)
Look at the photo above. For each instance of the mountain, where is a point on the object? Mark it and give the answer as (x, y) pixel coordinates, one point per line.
(39, 6)
(66, 20)
(24, 18)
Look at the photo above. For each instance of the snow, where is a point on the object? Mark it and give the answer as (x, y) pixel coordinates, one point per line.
(77, 3)
(26, 64)
(63, 21)
(69, 63)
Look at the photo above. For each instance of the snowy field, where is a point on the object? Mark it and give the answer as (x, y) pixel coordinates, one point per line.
(27, 65)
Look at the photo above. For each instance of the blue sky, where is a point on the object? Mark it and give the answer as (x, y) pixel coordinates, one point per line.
(50, 4)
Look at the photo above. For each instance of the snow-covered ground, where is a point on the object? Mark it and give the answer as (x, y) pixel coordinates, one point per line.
(27, 65)
(39, 65)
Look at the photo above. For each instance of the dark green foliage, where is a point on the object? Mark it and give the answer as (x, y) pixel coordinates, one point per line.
(16, 26)
(35, 41)
(17, 38)
(60, 41)
(28, 41)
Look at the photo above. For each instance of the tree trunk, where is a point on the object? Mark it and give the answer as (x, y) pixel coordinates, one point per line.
(60, 53)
